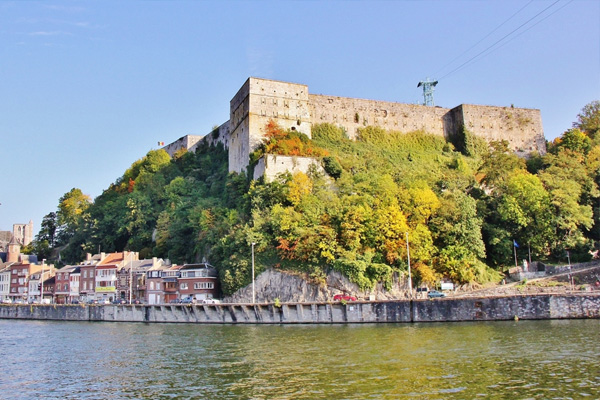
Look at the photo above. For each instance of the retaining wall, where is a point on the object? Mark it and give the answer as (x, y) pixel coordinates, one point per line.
(439, 310)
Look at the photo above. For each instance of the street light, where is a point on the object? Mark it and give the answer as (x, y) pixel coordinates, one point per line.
(42, 282)
(408, 258)
(130, 274)
(253, 293)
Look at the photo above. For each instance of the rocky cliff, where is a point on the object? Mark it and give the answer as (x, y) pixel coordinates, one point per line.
(288, 287)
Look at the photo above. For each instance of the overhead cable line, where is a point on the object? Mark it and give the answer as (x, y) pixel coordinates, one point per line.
(482, 39)
(499, 40)
(538, 22)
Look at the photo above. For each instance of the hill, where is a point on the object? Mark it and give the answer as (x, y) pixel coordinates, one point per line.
(463, 208)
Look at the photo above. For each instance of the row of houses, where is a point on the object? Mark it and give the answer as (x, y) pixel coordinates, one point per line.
(103, 277)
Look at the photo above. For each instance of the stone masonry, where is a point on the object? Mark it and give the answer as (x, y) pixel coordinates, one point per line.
(292, 107)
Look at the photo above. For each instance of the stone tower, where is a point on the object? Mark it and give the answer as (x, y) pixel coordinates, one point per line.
(257, 102)
(23, 233)
(14, 249)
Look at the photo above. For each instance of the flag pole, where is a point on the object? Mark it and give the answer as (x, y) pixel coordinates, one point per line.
(515, 248)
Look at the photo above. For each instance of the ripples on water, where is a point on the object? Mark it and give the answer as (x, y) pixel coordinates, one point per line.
(508, 360)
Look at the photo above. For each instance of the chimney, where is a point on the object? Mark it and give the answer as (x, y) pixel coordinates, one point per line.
(88, 256)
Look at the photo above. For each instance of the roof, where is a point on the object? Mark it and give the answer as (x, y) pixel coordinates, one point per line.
(112, 258)
(70, 268)
(197, 266)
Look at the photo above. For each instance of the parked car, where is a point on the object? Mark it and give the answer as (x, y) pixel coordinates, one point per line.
(345, 297)
(434, 293)
(175, 301)
(119, 301)
(92, 301)
(211, 301)
(187, 300)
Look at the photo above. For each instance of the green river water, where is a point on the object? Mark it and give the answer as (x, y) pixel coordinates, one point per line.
(491, 360)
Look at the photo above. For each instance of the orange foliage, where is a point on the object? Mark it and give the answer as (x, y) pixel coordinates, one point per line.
(285, 250)
(279, 141)
(131, 185)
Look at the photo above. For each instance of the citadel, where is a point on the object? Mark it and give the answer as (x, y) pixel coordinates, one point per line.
(292, 107)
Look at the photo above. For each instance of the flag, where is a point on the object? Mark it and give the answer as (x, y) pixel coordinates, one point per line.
(161, 143)
(515, 243)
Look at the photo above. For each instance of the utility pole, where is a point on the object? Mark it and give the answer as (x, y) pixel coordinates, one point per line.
(253, 293)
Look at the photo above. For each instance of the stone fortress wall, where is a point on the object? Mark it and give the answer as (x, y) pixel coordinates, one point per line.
(290, 105)
(255, 104)
(354, 114)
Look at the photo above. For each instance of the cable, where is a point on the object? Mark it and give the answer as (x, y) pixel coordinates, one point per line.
(485, 37)
(520, 33)
(498, 41)
(541, 20)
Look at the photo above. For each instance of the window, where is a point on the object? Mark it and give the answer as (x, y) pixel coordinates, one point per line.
(183, 286)
(204, 285)
(85, 273)
(157, 285)
(151, 285)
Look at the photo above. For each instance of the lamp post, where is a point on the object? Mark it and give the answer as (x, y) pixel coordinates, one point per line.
(253, 293)
(408, 259)
(130, 275)
(42, 282)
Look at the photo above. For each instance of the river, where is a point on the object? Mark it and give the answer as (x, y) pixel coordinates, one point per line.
(557, 359)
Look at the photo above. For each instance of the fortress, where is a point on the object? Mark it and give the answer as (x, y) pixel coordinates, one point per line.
(292, 107)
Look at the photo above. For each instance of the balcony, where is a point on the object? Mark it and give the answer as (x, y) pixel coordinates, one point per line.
(108, 278)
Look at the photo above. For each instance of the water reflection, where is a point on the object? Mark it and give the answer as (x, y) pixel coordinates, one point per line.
(526, 359)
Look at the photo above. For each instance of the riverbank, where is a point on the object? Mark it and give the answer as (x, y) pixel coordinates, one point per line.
(406, 311)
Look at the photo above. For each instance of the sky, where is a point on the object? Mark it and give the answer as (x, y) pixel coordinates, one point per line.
(89, 87)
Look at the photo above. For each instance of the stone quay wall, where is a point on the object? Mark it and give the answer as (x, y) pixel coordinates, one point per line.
(406, 311)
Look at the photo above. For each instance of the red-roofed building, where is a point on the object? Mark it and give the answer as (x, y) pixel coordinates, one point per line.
(106, 274)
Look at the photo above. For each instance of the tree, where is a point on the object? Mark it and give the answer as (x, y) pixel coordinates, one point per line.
(525, 210)
(498, 164)
(71, 207)
(48, 229)
(456, 223)
(588, 120)
(574, 140)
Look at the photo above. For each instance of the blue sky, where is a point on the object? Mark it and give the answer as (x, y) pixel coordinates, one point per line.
(88, 87)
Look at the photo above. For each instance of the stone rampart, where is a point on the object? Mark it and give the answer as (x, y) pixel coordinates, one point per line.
(270, 165)
(439, 310)
(520, 127)
(290, 105)
(186, 142)
(353, 114)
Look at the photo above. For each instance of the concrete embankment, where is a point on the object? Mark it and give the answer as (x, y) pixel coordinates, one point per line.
(439, 310)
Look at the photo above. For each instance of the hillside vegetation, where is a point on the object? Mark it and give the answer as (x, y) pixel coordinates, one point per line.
(463, 207)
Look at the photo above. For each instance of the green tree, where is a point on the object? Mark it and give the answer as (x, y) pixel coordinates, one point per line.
(574, 140)
(588, 120)
(48, 229)
(71, 208)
